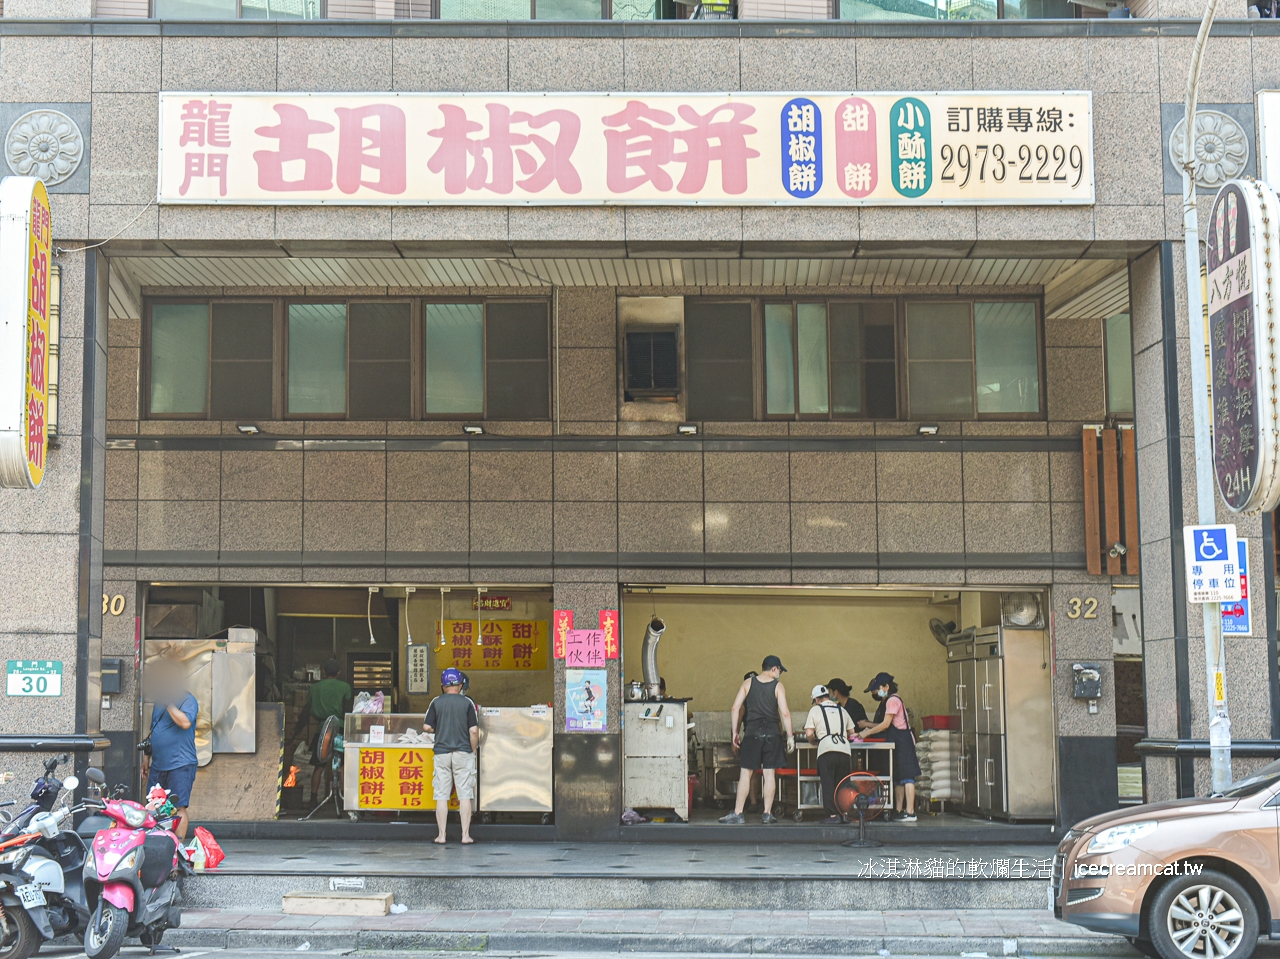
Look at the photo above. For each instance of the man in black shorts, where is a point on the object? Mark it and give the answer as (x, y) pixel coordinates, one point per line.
(761, 706)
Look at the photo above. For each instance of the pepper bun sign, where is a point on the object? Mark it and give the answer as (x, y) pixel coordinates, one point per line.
(1242, 271)
(26, 236)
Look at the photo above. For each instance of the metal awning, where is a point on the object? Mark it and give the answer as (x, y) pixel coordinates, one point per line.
(1066, 282)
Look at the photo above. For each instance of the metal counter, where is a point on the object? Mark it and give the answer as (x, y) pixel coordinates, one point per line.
(515, 758)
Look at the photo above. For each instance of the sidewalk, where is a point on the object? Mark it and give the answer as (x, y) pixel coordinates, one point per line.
(942, 932)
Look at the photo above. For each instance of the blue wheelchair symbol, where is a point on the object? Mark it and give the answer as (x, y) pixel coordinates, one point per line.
(1211, 545)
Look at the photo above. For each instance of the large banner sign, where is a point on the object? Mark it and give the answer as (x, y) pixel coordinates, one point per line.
(914, 149)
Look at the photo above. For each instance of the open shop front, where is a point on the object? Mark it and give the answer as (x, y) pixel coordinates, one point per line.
(972, 668)
(260, 661)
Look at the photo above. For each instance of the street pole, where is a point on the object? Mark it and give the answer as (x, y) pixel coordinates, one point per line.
(1206, 501)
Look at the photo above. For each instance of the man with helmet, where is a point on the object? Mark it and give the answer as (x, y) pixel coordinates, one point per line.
(452, 718)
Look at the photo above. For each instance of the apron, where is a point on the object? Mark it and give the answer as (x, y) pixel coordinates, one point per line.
(905, 763)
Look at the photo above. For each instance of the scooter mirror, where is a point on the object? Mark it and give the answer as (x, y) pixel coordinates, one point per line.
(71, 784)
(95, 776)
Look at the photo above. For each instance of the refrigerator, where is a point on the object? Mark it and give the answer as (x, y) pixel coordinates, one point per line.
(1001, 687)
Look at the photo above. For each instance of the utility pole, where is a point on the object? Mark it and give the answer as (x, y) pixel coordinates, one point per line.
(1206, 499)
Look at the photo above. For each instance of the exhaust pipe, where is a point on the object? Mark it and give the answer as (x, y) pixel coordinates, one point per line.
(649, 657)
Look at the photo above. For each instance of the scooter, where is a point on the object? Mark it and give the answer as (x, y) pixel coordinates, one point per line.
(44, 795)
(41, 895)
(132, 879)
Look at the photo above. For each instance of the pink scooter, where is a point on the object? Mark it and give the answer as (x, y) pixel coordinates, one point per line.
(132, 880)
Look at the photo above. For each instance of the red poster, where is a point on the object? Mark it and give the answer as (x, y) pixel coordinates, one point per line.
(609, 626)
(561, 623)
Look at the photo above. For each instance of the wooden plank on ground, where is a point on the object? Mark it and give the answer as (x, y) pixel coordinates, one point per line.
(301, 903)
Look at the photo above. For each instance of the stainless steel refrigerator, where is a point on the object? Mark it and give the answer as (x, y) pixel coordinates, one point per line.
(1001, 686)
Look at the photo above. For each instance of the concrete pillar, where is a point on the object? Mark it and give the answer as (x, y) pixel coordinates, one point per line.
(588, 766)
(1173, 640)
(51, 538)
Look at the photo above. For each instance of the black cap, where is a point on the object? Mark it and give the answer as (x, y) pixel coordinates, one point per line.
(882, 679)
(772, 662)
(839, 686)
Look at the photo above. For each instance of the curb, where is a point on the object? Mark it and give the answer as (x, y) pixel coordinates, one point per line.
(385, 940)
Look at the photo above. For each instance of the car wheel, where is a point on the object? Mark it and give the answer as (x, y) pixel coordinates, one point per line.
(1209, 916)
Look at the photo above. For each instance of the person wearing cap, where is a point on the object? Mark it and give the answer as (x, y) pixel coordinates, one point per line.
(829, 727)
(761, 706)
(841, 692)
(891, 722)
(452, 718)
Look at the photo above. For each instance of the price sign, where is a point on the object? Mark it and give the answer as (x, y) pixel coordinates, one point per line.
(34, 677)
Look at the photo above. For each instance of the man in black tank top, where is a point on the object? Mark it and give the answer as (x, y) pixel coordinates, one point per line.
(761, 708)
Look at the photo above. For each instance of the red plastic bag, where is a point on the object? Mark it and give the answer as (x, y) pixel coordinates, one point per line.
(213, 853)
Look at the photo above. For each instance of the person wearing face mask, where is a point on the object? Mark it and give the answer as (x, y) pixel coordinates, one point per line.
(891, 722)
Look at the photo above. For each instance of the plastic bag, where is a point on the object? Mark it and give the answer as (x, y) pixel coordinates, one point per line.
(361, 700)
(213, 853)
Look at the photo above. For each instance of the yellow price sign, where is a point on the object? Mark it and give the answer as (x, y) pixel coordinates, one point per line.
(492, 644)
(394, 777)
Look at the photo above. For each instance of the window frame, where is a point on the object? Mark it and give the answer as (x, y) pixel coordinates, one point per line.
(280, 356)
(905, 412)
(653, 395)
(831, 415)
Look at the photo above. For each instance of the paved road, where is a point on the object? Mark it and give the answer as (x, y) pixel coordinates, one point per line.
(138, 952)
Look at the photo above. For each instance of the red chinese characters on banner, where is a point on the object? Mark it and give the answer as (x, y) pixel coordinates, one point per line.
(205, 123)
(609, 626)
(40, 249)
(561, 624)
(362, 144)
(489, 162)
(642, 140)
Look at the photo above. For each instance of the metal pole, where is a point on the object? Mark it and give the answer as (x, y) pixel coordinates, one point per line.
(1214, 655)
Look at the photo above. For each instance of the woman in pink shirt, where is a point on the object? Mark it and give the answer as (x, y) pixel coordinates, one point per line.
(891, 722)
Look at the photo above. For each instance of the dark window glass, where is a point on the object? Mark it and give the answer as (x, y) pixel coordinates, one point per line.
(381, 361)
(940, 359)
(517, 375)
(864, 374)
(242, 358)
(718, 349)
(653, 363)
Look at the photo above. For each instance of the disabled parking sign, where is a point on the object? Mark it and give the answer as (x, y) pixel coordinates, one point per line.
(1236, 620)
(1213, 565)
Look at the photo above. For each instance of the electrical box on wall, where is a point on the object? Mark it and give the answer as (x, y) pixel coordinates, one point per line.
(111, 675)
(1086, 681)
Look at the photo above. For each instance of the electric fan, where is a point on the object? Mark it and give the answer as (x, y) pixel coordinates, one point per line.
(864, 795)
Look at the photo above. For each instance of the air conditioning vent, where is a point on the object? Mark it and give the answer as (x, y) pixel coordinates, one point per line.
(1021, 611)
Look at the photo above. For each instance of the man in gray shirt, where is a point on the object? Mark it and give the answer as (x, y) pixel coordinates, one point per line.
(452, 718)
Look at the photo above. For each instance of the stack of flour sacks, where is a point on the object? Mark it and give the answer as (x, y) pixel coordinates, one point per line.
(937, 749)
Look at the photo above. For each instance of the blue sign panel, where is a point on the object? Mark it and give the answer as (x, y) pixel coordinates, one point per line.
(801, 147)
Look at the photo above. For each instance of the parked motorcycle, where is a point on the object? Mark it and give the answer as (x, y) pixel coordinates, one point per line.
(44, 795)
(132, 879)
(41, 890)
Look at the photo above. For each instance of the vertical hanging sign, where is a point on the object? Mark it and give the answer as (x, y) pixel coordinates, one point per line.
(1242, 354)
(26, 254)
(609, 626)
(561, 624)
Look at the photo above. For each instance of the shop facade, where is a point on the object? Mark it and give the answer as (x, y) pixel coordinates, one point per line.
(783, 428)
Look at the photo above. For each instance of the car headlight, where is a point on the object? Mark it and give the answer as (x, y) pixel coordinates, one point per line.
(134, 817)
(1117, 837)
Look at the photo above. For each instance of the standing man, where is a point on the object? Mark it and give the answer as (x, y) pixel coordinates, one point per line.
(329, 697)
(171, 763)
(829, 726)
(452, 718)
(761, 706)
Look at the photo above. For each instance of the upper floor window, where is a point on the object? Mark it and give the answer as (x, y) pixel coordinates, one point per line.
(340, 359)
(1118, 343)
(863, 359)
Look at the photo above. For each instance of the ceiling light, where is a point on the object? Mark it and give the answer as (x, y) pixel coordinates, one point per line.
(473, 429)
(687, 429)
(927, 429)
(248, 429)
